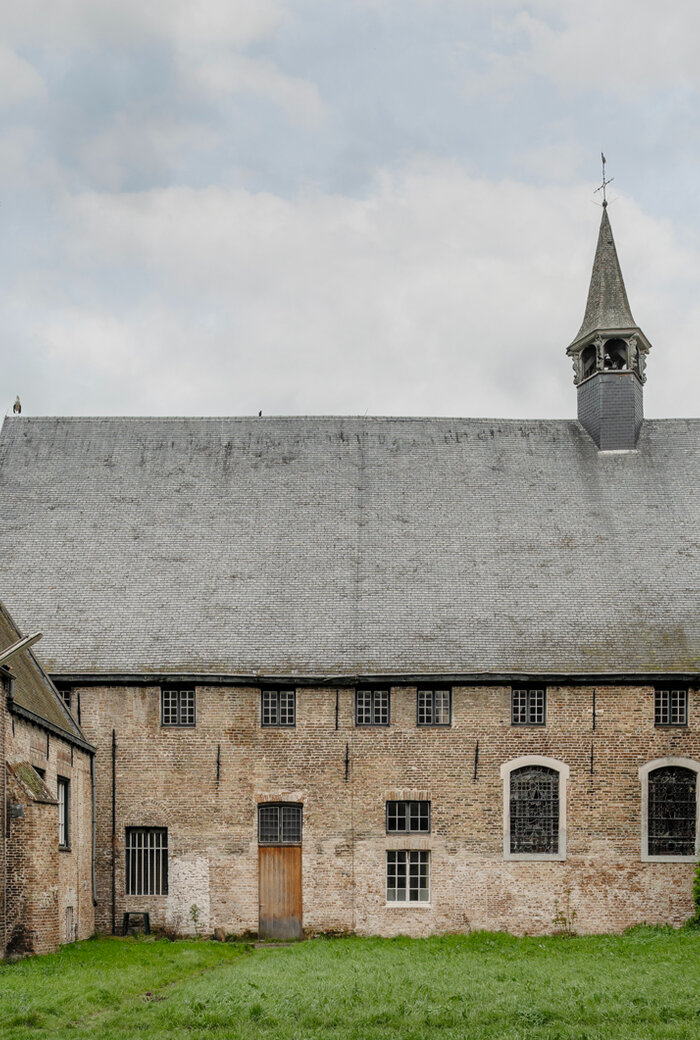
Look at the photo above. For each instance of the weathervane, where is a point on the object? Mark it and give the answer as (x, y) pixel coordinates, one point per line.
(604, 184)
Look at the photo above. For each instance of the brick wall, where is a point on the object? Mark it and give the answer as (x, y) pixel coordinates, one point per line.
(49, 889)
(167, 777)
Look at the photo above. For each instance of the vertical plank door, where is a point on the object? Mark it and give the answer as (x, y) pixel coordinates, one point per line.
(280, 891)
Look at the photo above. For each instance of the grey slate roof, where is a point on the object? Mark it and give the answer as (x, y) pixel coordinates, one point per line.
(33, 690)
(607, 306)
(336, 546)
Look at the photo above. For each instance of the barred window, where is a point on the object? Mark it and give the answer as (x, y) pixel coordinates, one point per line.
(407, 817)
(527, 706)
(534, 810)
(671, 707)
(434, 707)
(278, 708)
(672, 811)
(178, 706)
(407, 876)
(146, 861)
(63, 798)
(371, 707)
(279, 824)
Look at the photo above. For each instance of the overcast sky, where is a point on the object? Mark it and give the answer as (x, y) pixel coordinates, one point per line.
(340, 206)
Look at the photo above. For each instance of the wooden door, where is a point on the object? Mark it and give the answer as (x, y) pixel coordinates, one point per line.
(279, 869)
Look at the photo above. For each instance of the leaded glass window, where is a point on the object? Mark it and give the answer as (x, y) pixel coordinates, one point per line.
(407, 876)
(434, 707)
(279, 824)
(372, 707)
(407, 817)
(278, 708)
(527, 706)
(671, 707)
(534, 811)
(672, 811)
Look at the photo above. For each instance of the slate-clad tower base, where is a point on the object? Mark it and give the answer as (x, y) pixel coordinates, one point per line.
(611, 409)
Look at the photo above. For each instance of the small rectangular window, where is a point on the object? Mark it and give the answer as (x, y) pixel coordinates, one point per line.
(63, 797)
(278, 708)
(146, 861)
(279, 824)
(528, 706)
(671, 707)
(371, 707)
(178, 706)
(434, 707)
(407, 817)
(407, 876)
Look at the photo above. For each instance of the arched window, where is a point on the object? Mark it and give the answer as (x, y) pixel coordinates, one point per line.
(534, 808)
(615, 355)
(670, 809)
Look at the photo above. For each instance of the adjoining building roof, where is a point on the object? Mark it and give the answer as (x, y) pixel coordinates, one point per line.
(33, 690)
(607, 306)
(338, 546)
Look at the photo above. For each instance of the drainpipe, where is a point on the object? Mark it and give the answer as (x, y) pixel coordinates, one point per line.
(93, 786)
(114, 824)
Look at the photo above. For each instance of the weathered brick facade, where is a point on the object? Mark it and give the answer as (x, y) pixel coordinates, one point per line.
(167, 777)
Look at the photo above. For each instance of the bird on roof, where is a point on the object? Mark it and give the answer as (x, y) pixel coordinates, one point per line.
(259, 413)
(17, 407)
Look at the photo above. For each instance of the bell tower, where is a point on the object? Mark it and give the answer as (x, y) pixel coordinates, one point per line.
(609, 353)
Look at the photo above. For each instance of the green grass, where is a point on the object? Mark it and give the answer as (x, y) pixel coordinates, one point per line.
(644, 985)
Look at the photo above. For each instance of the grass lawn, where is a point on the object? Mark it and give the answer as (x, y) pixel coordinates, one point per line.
(641, 986)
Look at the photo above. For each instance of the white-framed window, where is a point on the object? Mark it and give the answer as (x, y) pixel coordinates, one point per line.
(434, 706)
(146, 861)
(178, 706)
(534, 808)
(671, 706)
(670, 810)
(372, 707)
(63, 798)
(278, 708)
(407, 876)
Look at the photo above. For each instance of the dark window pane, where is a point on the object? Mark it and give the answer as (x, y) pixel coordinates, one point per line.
(672, 811)
(534, 810)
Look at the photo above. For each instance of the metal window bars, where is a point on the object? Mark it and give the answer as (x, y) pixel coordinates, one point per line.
(146, 861)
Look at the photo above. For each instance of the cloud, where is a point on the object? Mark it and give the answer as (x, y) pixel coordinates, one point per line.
(223, 74)
(625, 48)
(436, 294)
(19, 81)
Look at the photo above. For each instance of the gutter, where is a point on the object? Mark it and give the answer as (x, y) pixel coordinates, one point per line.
(359, 679)
(25, 713)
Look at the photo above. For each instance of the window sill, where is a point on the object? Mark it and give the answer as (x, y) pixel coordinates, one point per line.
(416, 905)
(64, 848)
(534, 857)
(669, 859)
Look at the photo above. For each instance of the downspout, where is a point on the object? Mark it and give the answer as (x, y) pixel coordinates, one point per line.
(93, 786)
(114, 824)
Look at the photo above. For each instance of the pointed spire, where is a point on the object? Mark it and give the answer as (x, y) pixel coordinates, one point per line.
(607, 306)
